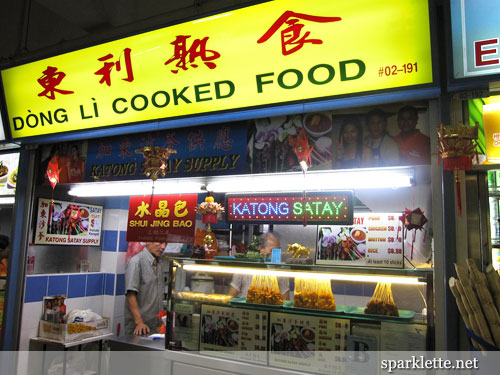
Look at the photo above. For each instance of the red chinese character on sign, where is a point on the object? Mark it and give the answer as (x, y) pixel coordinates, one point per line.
(104, 150)
(40, 236)
(50, 79)
(124, 148)
(197, 50)
(42, 224)
(105, 71)
(196, 139)
(291, 39)
(170, 140)
(43, 214)
(148, 141)
(223, 141)
(44, 204)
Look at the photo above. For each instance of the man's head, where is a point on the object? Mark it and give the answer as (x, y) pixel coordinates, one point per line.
(270, 242)
(407, 119)
(377, 123)
(156, 248)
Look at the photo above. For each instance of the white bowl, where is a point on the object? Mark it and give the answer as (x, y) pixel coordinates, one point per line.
(353, 230)
(322, 124)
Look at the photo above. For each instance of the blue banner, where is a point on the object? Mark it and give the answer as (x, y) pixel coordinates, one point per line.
(200, 151)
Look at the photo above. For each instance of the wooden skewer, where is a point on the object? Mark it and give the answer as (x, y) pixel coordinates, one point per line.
(494, 284)
(464, 312)
(469, 299)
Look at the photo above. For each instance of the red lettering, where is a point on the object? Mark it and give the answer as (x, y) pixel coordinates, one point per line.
(481, 53)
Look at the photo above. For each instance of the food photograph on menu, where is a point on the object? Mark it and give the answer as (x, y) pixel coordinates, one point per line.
(374, 239)
(68, 223)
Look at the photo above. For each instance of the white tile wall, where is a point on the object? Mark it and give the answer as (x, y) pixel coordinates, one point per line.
(32, 312)
(108, 261)
(122, 225)
(119, 308)
(121, 262)
(108, 306)
(111, 219)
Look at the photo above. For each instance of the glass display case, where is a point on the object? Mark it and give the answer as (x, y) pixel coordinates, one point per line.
(494, 207)
(205, 314)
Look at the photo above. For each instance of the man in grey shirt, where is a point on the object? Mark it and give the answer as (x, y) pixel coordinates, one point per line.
(144, 287)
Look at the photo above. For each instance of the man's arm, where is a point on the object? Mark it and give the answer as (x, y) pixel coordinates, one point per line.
(140, 327)
(233, 292)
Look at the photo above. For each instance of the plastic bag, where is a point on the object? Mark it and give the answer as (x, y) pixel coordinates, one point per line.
(82, 316)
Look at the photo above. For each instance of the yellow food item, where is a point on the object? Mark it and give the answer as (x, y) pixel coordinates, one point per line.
(264, 290)
(216, 298)
(79, 328)
(313, 294)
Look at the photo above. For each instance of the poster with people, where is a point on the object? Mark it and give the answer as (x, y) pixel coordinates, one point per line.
(71, 159)
(68, 223)
(381, 136)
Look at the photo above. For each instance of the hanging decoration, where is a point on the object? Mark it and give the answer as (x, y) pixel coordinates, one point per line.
(53, 172)
(456, 148)
(413, 220)
(72, 217)
(156, 160)
(302, 150)
(209, 211)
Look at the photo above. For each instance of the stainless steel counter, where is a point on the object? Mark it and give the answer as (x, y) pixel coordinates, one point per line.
(133, 343)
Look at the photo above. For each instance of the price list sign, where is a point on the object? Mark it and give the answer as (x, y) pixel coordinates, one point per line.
(306, 343)
(375, 239)
(234, 333)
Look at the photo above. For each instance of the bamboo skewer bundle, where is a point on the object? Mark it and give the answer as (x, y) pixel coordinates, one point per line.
(487, 303)
(494, 284)
(465, 310)
(476, 302)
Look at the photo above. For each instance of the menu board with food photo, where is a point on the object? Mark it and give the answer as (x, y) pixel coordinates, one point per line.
(234, 333)
(68, 223)
(8, 173)
(374, 239)
(302, 342)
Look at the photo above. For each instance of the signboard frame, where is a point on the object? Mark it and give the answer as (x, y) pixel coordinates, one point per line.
(125, 126)
(349, 194)
(65, 238)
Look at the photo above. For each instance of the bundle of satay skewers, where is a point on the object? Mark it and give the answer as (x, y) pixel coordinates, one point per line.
(478, 299)
(382, 302)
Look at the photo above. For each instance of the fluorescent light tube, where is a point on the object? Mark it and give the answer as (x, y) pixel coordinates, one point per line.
(406, 280)
(7, 200)
(317, 180)
(130, 188)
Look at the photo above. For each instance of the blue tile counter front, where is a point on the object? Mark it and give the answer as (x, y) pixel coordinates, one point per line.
(109, 284)
(109, 240)
(120, 284)
(72, 285)
(123, 244)
(77, 286)
(95, 284)
(36, 288)
(58, 285)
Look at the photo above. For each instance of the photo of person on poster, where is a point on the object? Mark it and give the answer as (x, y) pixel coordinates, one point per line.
(384, 149)
(414, 147)
(350, 151)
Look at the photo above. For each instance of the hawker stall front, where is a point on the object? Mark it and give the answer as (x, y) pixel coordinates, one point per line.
(287, 170)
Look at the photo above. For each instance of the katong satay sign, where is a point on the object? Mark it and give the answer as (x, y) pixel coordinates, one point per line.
(333, 207)
(68, 223)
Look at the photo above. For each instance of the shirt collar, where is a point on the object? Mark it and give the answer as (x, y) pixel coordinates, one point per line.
(150, 258)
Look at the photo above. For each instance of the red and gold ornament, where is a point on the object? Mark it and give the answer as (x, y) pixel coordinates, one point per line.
(413, 220)
(456, 148)
(156, 160)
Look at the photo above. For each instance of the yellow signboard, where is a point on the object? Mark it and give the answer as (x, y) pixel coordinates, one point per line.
(275, 52)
